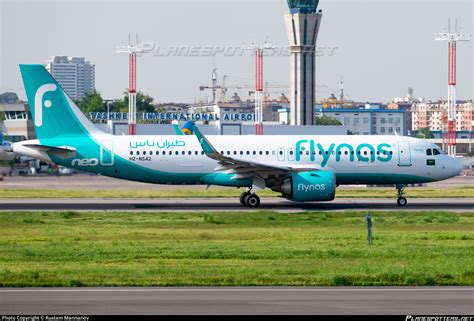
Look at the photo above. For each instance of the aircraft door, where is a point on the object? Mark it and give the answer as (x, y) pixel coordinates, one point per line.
(281, 154)
(404, 154)
(291, 154)
(107, 153)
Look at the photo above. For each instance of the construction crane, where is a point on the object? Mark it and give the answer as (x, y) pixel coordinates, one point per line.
(214, 86)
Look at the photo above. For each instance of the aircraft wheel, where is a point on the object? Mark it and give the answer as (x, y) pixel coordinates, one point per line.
(402, 201)
(252, 201)
(242, 198)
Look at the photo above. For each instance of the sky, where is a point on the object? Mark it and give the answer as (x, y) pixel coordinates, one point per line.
(380, 48)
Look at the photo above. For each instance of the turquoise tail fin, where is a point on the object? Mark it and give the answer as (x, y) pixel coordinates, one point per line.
(54, 113)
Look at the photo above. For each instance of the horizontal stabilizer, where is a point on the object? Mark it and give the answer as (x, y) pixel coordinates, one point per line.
(5, 155)
(61, 151)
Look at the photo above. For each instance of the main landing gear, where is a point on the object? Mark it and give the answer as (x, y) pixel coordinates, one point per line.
(249, 199)
(401, 201)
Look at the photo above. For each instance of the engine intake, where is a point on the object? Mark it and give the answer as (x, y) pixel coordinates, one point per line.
(310, 186)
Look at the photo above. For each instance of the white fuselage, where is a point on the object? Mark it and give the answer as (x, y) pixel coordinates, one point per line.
(408, 156)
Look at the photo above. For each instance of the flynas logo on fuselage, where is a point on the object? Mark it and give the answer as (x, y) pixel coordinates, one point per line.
(163, 144)
(39, 104)
(363, 152)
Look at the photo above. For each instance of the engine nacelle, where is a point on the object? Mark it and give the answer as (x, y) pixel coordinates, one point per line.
(310, 186)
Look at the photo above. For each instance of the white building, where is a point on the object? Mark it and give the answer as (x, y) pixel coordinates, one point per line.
(74, 74)
(370, 121)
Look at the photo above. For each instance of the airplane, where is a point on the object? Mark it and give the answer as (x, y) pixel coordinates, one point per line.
(187, 128)
(5, 150)
(303, 168)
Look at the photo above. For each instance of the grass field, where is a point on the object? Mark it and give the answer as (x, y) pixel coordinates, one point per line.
(415, 192)
(234, 248)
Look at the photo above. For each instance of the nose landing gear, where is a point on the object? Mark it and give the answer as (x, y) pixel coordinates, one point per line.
(401, 201)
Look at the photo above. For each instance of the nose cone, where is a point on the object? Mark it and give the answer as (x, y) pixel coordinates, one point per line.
(456, 167)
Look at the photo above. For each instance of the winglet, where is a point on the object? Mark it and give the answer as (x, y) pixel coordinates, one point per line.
(177, 130)
(205, 144)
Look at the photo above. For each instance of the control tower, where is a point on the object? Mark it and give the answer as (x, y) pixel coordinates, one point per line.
(302, 25)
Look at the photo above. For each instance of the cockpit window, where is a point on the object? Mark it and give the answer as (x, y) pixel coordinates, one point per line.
(436, 152)
(428, 152)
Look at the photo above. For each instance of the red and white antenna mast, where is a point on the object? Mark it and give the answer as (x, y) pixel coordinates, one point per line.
(258, 50)
(452, 38)
(132, 50)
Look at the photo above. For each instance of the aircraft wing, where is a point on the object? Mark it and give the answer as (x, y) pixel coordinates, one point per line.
(246, 168)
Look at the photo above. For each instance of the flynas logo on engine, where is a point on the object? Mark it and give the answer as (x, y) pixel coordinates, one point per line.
(363, 152)
(311, 187)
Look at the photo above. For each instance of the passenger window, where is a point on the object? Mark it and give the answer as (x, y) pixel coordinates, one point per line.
(131, 152)
(428, 152)
(189, 153)
(138, 152)
(436, 152)
(260, 153)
